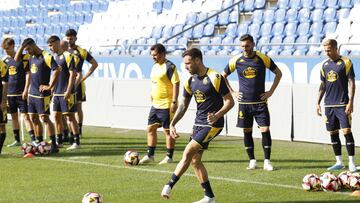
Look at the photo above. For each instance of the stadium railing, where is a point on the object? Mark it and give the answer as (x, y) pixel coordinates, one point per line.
(128, 50)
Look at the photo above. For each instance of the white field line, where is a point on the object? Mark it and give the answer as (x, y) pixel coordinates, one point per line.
(170, 172)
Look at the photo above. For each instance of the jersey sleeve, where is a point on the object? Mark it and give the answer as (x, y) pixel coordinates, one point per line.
(69, 58)
(187, 89)
(223, 90)
(76, 62)
(231, 66)
(272, 66)
(172, 74)
(4, 72)
(349, 68)
(50, 61)
(25, 61)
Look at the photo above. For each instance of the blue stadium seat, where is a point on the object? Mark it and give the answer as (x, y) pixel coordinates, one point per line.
(79, 18)
(104, 5)
(259, 4)
(177, 29)
(355, 53)
(330, 27)
(283, 4)
(330, 15)
(234, 16)
(231, 30)
(265, 30)
(71, 17)
(343, 13)
(95, 6)
(257, 16)
(291, 15)
(345, 3)
(307, 4)
(295, 4)
(286, 52)
(317, 15)
(280, 15)
(201, 16)
(167, 4)
(88, 17)
(299, 52)
(304, 15)
(213, 20)
(167, 31)
(182, 40)
(86, 7)
(319, 4)
(157, 6)
(224, 18)
(316, 29)
(290, 29)
(215, 41)
(64, 28)
(301, 39)
(156, 32)
(140, 41)
(278, 29)
(242, 29)
(40, 31)
(78, 7)
(289, 39)
(228, 40)
(227, 3)
(276, 39)
(188, 33)
(260, 44)
(303, 29)
(171, 48)
(332, 3)
(191, 18)
(204, 40)
(198, 31)
(248, 5)
(313, 52)
(56, 30)
(209, 30)
(254, 29)
(269, 16)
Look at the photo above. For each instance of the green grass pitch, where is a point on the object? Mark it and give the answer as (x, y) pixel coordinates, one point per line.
(98, 166)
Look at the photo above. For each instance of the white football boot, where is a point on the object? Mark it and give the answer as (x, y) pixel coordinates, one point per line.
(267, 165)
(206, 199)
(252, 165)
(147, 159)
(165, 193)
(166, 160)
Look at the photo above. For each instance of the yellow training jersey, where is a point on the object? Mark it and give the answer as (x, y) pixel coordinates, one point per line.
(163, 76)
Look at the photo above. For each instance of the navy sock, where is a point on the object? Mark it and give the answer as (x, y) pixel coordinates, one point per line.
(80, 128)
(17, 135)
(170, 153)
(151, 151)
(2, 140)
(207, 189)
(72, 139)
(66, 133)
(249, 144)
(32, 135)
(174, 179)
(77, 139)
(350, 144)
(336, 143)
(53, 141)
(266, 143)
(59, 138)
(40, 138)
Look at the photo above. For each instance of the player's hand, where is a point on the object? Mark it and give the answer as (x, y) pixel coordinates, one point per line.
(44, 88)
(173, 133)
(3, 105)
(349, 109)
(237, 95)
(25, 95)
(318, 110)
(211, 118)
(173, 107)
(67, 95)
(264, 96)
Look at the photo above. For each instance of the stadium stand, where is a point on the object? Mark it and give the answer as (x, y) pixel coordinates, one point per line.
(119, 27)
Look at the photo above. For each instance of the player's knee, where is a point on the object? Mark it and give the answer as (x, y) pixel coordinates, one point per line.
(264, 129)
(45, 118)
(334, 132)
(247, 130)
(26, 117)
(346, 130)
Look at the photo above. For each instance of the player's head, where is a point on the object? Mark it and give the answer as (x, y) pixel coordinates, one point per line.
(247, 44)
(158, 52)
(54, 43)
(71, 37)
(330, 48)
(193, 60)
(64, 45)
(29, 46)
(8, 45)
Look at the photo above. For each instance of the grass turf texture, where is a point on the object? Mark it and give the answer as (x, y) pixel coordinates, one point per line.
(99, 167)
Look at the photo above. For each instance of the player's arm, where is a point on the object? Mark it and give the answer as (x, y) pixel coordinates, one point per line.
(53, 80)
(278, 75)
(228, 104)
(27, 85)
(320, 96)
(175, 96)
(183, 106)
(94, 65)
(235, 94)
(70, 84)
(4, 81)
(19, 53)
(350, 106)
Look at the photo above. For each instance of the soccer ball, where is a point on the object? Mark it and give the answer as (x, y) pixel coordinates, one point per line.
(131, 158)
(92, 197)
(354, 181)
(344, 179)
(329, 182)
(311, 182)
(28, 148)
(44, 148)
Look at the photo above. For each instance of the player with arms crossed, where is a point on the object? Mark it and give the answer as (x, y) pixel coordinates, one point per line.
(338, 84)
(41, 64)
(213, 101)
(4, 77)
(164, 95)
(64, 92)
(251, 69)
(80, 84)
(17, 90)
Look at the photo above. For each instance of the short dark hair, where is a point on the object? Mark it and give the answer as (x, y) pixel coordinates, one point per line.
(159, 48)
(193, 53)
(70, 32)
(247, 37)
(330, 42)
(52, 39)
(7, 42)
(28, 41)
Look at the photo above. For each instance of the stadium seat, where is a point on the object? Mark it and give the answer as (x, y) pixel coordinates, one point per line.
(260, 44)
(269, 16)
(88, 18)
(286, 52)
(201, 16)
(330, 15)
(227, 3)
(316, 29)
(304, 15)
(295, 4)
(254, 29)
(259, 4)
(307, 4)
(171, 48)
(213, 20)
(167, 4)
(191, 18)
(343, 13)
(248, 5)
(301, 39)
(299, 52)
(156, 33)
(234, 17)
(242, 29)
(291, 15)
(79, 18)
(228, 40)
(209, 30)
(332, 3)
(317, 15)
(198, 31)
(282, 4)
(278, 29)
(188, 33)
(167, 31)
(330, 27)
(231, 30)
(266, 29)
(280, 15)
(215, 41)
(289, 39)
(276, 39)
(290, 29)
(303, 29)
(257, 16)
(319, 4)
(183, 41)
(177, 29)
(313, 52)
(204, 40)
(345, 3)
(224, 18)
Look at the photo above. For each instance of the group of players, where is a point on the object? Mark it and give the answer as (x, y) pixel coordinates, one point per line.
(215, 97)
(31, 77)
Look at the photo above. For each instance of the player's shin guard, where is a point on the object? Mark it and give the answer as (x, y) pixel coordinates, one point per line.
(77, 139)
(59, 138)
(32, 135)
(174, 179)
(266, 143)
(249, 144)
(151, 151)
(207, 189)
(336, 143)
(2, 140)
(53, 141)
(170, 152)
(350, 144)
(17, 135)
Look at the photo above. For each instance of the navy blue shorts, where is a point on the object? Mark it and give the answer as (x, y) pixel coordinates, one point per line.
(161, 117)
(247, 113)
(39, 105)
(15, 103)
(80, 93)
(3, 117)
(64, 106)
(204, 134)
(336, 118)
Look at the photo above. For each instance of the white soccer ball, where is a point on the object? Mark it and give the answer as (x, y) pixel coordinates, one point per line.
(131, 158)
(329, 182)
(92, 197)
(311, 182)
(344, 179)
(354, 182)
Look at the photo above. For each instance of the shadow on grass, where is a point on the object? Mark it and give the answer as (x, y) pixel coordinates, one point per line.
(318, 201)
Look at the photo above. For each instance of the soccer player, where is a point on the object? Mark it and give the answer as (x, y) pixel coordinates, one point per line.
(213, 101)
(17, 90)
(338, 84)
(4, 76)
(41, 64)
(64, 92)
(251, 69)
(164, 95)
(80, 86)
